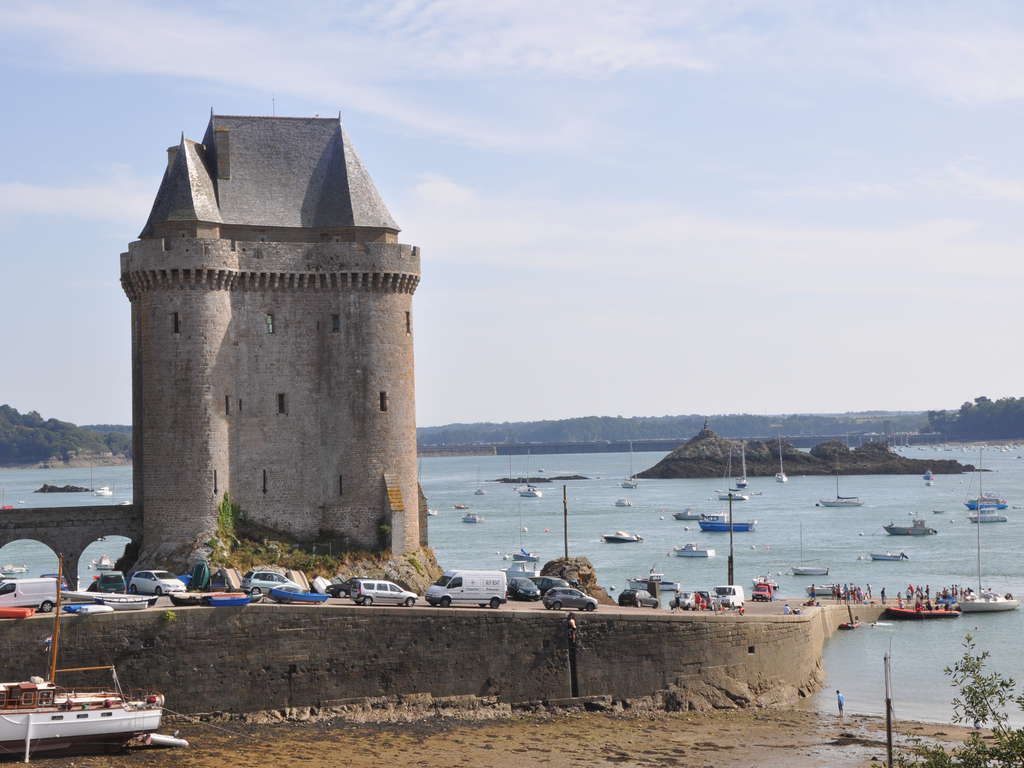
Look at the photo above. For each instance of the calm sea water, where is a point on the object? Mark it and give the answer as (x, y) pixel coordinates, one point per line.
(838, 538)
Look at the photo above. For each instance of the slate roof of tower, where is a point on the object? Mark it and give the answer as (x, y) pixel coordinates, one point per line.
(283, 172)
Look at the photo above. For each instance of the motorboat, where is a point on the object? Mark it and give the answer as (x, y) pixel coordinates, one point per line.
(841, 501)
(432, 512)
(621, 537)
(912, 614)
(13, 570)
(733, 493)
(986, 501)
(692, 550)
(529, 492)
(103, 563)
(889, 556)
(686, 514)
(810, 570)
(918, 528)
(472, 517)
(988, 602)
(460, 506)
(987, 517)
(623, 503)
(928, 475)
(664, 585)
(522, 556)
(521, 568)
(820, 590)
(479, 492)
(722, 523)
(629, 482)
(104, 491)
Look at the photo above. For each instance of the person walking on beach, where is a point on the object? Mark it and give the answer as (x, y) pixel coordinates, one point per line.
(882, 593)
(840, 702)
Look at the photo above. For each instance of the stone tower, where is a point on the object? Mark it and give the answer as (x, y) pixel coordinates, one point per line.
(272, 344)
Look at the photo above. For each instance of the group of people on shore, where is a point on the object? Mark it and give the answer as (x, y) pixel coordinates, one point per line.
(918, 596)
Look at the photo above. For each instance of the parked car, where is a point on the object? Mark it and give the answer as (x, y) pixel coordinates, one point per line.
(762, 593)
(521, 588)
(40, 594)
(682, 600)
(155, 583)
(370, 591)
(480, 587)
(639, 598)
(730, 595)
(343, 588)
(258, 582)
(111, 582)
(544, 583)
(557, 598)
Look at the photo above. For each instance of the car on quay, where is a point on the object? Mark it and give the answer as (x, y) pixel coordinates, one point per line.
(763, 592)
(682, 601)
(557, 598)
(638, 598)
(258, 582)
(521, 588)
(371, 591)
(155, 583)
(544, 583)
(110, 582)
(343, 588)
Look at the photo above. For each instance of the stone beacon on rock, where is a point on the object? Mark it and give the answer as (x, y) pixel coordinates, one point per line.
(272, 344)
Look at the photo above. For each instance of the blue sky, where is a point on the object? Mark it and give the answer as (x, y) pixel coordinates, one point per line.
(624, 208)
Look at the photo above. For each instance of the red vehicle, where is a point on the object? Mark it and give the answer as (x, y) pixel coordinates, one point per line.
(763, 592)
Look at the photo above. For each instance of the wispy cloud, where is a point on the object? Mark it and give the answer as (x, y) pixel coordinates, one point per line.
(118, 196)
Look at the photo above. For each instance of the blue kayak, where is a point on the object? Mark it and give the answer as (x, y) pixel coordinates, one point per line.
(292, 595)
(223, 601)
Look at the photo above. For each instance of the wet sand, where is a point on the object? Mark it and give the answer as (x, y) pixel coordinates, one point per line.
(729, 739)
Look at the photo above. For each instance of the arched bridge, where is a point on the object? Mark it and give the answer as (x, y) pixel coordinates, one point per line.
(69, 530)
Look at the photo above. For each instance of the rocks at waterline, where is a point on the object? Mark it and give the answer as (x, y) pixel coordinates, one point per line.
(61, 489)
(707, 455)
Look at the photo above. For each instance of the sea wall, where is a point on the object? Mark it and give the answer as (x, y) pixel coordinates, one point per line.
(270, 658)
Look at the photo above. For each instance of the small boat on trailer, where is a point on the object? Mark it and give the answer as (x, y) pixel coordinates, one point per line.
(912, 614)
(296, 596)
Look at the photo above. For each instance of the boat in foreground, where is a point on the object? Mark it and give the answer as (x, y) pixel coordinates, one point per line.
(621, 537)
(718, 523)
(692, 550)
(917, 529)
(922, 615)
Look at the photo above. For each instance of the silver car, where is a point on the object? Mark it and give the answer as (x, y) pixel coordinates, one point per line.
(567, 597)
(370, 591)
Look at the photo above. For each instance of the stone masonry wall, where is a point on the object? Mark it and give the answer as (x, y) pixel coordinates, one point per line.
(269, 657)
(207, 397)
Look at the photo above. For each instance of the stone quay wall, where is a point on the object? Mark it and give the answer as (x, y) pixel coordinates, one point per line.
(266, 658)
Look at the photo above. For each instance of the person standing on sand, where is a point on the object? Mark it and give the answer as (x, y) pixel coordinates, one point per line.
(840, 702)
(882, 593)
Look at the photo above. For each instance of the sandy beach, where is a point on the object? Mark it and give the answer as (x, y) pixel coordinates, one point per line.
(726, 739)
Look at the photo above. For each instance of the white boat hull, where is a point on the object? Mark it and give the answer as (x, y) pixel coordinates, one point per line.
(841, 503)
(75, 730)
(989, 605)
(809, 571)
(695, 553)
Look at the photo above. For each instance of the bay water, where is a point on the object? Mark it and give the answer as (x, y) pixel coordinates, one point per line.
(839, 538)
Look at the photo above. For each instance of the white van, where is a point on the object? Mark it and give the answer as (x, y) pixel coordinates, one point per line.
(730, 596)
(29, 593)
(480, 587)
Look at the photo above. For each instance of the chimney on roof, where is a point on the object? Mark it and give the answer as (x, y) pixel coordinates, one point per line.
(222, 148)
(172, 152)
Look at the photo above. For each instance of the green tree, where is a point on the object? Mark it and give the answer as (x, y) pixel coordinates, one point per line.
(982, 702)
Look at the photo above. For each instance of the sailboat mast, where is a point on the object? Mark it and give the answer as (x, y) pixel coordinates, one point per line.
(977, 517)
(55, 639)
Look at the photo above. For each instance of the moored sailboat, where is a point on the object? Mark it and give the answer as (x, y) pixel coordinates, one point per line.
(780, 476)
(985, 601)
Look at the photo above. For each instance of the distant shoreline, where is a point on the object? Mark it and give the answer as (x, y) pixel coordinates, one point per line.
(94, 461)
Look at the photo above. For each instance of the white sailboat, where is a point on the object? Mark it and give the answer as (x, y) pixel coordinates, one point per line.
(807, 570)
(985, 601)
(630, 480)
(841, 501)
(780, 476)
(741, 481)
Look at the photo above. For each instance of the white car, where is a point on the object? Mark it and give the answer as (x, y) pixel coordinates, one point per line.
(370, 591)
(155, 583)
(258, 582)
